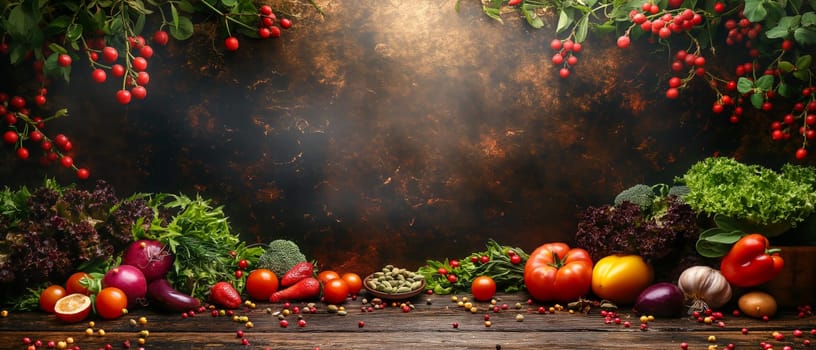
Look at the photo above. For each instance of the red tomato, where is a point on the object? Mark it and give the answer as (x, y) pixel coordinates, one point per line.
(74, 284)
(554, 272)
(326, 275)
(354, 282)
(261, 283)
(111, 302)
(49, 297)
(483, 288)
(335, 291)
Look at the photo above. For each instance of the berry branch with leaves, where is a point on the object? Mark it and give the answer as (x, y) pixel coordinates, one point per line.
(52, 36)
(773, 39)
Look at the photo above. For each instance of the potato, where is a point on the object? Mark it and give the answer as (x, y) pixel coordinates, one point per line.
(757, 304)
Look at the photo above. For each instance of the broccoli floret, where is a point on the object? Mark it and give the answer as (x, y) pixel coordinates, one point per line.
(280, 256)
(639, 194)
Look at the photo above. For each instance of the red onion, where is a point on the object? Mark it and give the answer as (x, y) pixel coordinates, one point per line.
(130, 280)
(151, 257)
(661, 300)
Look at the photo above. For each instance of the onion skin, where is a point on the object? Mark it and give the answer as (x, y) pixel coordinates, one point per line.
(169, 298)
(661, 300)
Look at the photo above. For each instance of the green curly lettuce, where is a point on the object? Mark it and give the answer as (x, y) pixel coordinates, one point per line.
(752, 193)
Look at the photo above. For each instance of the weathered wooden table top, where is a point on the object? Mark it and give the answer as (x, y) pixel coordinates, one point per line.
(428, 326)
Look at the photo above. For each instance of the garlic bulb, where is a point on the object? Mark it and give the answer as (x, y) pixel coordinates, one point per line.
(705, 286)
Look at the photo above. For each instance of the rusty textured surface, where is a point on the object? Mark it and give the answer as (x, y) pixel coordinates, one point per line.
(396, 131)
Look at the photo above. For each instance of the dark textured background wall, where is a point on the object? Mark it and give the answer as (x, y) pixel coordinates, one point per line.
(397, 131)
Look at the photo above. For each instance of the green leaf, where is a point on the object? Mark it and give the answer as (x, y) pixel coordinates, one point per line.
(765, 82)
(809, 19)
(785, 66)
(564, 21)
(757, 100)
(710, 249)
(185, 6)
(803, 62)
(744, 85)
(582, 27)
(717, 235)
(58, 24)
(19, 23)
(492, 13)
(184, 30)
(785, 90)
(74, 32)
(803, 75)
(175, 15)
(229, 3)
(777, 32)
(754, 10)
(17, 52)
(57, 48)
(805, 36)
(140, 22)
(532, 18)
(607, 27)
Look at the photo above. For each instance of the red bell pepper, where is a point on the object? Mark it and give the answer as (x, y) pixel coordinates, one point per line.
(750, 262)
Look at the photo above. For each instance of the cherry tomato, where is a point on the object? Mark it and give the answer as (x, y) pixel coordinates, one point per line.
(110, 303)
(454, 263)
(515, 259)
(335, 291)
(49, 297)
(452, 278)
(239, 273)
(484, 259)
(74, 284)
(483, 288)
(327, 275)
(261, 283)
(474, 259)
(442, 271)
(243, 264)
(354, 282)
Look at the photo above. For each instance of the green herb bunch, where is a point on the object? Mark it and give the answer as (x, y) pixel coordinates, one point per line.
(198, 234)
(497, 262)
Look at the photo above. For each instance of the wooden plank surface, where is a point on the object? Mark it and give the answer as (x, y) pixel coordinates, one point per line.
(428, 326)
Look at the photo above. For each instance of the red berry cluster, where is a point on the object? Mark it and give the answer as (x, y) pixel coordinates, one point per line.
(684, 62)
(23, 131)
(805, 112)
(268, 27)
(565, 55)
(130, 67)
(662, 23)
(741, 30)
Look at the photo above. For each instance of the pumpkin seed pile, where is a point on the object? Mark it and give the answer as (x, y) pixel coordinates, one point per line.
(395, 280)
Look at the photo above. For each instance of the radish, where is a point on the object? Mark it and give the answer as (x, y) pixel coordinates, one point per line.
(130, 280)
(149, 256)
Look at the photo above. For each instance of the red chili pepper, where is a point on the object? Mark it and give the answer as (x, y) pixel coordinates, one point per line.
(750, 262)
(513, 2)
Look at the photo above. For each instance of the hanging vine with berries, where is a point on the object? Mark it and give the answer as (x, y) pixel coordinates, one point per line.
(108, 37)
(776, 36)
